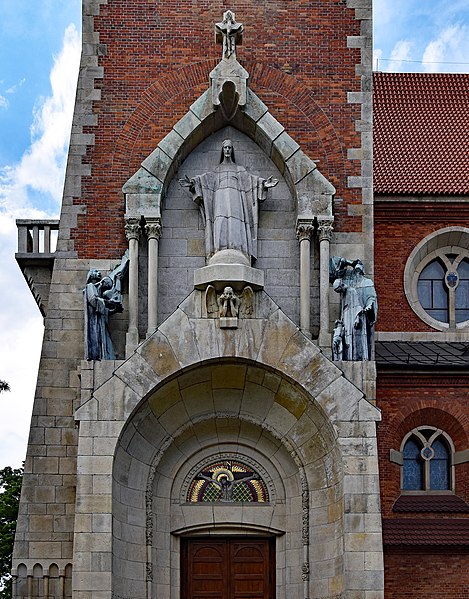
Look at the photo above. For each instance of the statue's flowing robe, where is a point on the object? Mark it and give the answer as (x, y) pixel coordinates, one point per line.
(98, 344)
(358, 294)
(229, 198)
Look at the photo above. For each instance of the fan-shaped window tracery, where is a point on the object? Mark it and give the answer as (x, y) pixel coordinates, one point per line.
(227, 481)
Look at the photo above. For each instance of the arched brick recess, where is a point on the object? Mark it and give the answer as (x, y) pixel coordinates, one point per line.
(451, 419)
(191, 81)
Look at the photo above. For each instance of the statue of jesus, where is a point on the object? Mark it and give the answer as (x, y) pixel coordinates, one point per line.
(228, 198)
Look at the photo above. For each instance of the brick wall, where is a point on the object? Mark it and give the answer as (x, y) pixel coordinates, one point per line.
(156, 59)
(399, 227)
(408, 402)
(429, 573)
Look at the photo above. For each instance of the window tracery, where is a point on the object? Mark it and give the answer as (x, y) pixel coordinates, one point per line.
(443, 289)
(426, 460)
(227, 481)
(436, 279)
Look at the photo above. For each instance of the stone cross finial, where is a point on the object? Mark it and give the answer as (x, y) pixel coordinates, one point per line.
(229, 33)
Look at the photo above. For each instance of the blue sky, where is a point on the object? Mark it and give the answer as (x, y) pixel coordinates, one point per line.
(39, 54)
(421, 35)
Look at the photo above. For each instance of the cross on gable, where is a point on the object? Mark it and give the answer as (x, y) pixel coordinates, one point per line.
(229, 33)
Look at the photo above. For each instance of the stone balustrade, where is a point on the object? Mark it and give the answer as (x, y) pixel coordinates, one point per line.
(36, 236)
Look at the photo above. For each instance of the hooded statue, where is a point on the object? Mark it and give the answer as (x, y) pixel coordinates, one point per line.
(359, 308)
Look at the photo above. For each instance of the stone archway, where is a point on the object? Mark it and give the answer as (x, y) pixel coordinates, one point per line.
(318, 426)
(244, 411)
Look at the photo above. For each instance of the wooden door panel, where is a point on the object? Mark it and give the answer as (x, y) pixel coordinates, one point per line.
(208, 570)
(227, 568)
(250, 570)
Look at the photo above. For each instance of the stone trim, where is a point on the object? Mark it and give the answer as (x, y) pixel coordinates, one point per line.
(145, 190)
(363, 13)
(83, 116)
(461, 457)
(410, 336)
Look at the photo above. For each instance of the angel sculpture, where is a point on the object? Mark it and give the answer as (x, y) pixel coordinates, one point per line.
(229, 304)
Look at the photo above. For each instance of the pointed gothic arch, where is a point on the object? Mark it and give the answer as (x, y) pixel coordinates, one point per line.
(145, 190)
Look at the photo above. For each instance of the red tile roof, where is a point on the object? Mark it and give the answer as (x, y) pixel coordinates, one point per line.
(430, 503)
(426, 531)
(421, 133)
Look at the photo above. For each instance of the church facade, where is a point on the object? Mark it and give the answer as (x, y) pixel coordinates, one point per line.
(211, 382)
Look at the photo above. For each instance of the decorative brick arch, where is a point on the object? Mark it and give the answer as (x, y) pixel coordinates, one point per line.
(448, 419)
(191, 80)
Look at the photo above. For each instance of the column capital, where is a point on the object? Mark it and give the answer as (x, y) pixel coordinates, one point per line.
(325, 229)
(153, 228)
(304, 229)
(132, 228)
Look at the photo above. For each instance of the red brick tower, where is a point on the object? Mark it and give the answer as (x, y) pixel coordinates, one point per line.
(121, 446)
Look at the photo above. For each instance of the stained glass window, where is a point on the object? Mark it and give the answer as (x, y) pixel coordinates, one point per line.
(413, 466)
(439, 466)
(438, 281)
(227, 481)
(462, 292)
(432, 291)
(426, 461)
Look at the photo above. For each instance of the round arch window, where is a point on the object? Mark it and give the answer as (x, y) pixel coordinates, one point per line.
(443, 289)
(436, 279)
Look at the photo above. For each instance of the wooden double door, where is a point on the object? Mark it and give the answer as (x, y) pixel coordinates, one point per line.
(228, 568)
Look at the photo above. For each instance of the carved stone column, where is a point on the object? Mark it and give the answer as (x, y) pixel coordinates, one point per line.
(325, 229)
(304, 230)
(153, 233)
(132, 232)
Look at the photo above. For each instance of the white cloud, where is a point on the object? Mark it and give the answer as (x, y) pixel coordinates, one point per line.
(400, 53)
(3, 102)
(13, 88)
(449, 52)
(39, 173)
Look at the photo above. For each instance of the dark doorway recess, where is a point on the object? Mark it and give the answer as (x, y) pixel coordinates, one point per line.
(228, 568)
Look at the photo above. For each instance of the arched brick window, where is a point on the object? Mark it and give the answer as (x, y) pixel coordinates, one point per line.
(426, 460)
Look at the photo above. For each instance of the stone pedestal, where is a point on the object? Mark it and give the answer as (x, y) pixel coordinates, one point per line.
(228, 268)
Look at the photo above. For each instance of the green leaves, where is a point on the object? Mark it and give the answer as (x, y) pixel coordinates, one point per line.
(10, 490)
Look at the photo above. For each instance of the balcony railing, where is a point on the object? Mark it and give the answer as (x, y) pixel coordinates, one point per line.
(37, 236)
(37, 240)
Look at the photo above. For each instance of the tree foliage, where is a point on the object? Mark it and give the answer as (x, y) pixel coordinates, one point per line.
(10, 489)
(4, 386)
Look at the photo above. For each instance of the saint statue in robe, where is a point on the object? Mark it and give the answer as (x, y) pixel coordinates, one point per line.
(358, 310)
(102, 297)
(228, 198)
